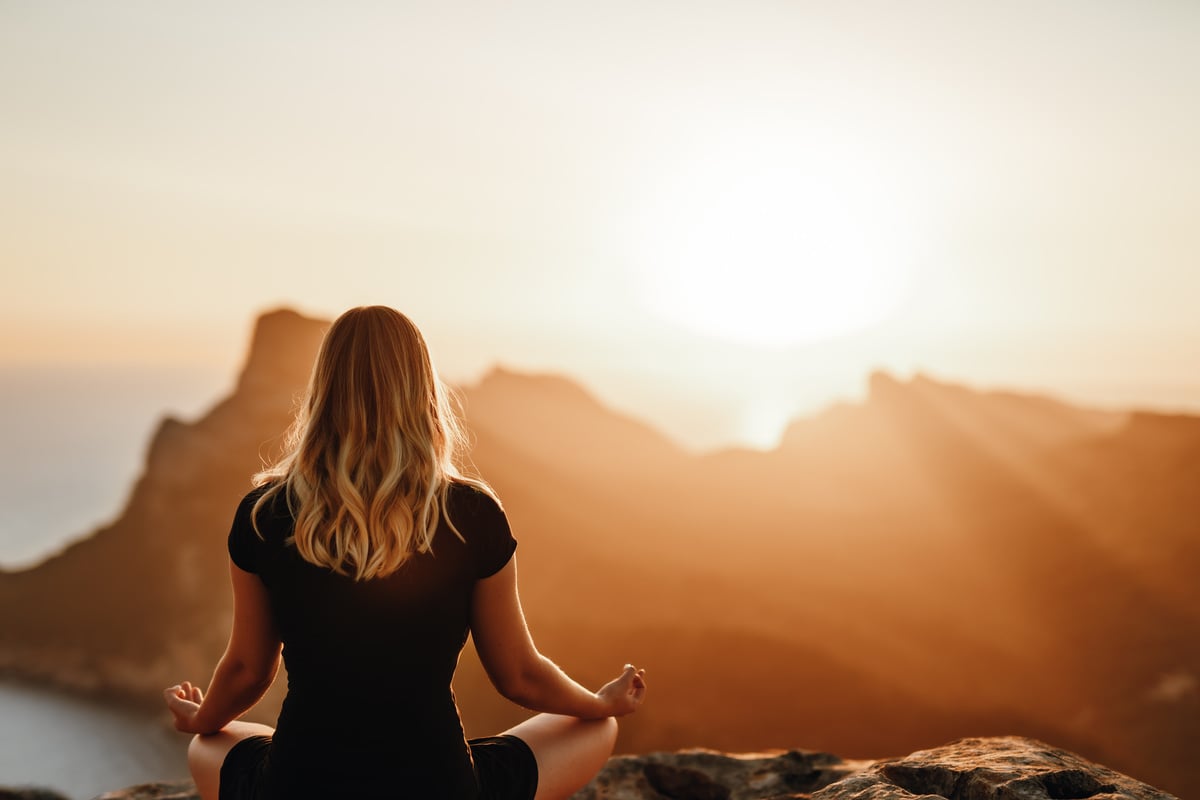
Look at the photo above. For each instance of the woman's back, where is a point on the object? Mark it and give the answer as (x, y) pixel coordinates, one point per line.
(366, 556)
(369, 705)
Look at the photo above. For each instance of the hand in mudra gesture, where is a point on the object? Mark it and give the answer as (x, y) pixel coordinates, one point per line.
(624, 694)
(184, 701)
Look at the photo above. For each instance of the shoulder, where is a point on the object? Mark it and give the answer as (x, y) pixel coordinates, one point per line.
(251, 498)
(479, 519)
(465, 497)
(276, 505)
(254, 517)
(258, 530)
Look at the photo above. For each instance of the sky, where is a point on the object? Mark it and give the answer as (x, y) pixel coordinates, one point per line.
(714, 215)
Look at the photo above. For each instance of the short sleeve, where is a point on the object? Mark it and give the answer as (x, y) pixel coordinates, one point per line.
(244, 544)
(485, 527)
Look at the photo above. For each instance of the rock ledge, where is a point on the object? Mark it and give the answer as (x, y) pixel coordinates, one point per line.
(1003, 768)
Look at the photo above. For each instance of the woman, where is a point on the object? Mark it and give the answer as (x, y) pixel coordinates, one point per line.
(367, 558)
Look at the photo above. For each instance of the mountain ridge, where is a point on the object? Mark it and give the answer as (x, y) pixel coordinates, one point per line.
(943, 561)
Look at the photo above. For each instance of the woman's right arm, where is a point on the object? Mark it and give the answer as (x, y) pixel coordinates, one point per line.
(246, 670)
(525, 676)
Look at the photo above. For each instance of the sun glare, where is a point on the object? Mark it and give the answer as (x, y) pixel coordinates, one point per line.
(759, 245)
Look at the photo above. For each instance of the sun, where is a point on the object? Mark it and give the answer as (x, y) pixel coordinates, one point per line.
(771, 248)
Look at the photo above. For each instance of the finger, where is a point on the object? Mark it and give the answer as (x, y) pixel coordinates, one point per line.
(197, 695)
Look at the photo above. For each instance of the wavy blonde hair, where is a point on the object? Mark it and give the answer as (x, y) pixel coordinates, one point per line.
(374, 448)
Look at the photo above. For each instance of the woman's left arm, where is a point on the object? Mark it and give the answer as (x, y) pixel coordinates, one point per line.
(246, 670)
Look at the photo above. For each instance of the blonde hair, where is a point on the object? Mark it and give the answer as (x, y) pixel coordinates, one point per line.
(370, 458)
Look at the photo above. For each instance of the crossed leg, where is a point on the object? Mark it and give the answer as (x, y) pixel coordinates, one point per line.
(207, 753)
(569, 751)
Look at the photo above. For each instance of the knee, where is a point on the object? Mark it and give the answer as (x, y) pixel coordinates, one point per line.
(193, 747)
(205, 756)
(195, 752)
(204, 752)
(610, 730)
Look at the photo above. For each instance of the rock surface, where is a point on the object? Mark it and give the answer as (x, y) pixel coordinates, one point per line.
(168, 790)
(1002, 768)
(709, 775)
(29, 793)
(1007, 768)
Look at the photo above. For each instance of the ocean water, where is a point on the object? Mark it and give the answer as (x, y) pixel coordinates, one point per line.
(80, 747)
(73, 442)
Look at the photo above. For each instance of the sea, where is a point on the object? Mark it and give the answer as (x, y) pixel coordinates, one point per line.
(82, 748)
(73, 442)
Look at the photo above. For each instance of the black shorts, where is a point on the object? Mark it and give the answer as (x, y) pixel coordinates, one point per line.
(504, 766)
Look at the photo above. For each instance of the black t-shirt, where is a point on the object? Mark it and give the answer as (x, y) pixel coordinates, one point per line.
(369, 710)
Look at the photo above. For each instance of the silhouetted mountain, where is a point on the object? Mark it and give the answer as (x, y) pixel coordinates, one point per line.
(931, 563)
(126, 608)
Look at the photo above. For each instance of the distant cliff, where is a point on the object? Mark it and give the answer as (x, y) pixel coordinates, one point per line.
(147, 596)
(931, 563)
(971, 769)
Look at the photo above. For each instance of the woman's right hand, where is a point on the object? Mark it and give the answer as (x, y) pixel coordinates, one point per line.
(624, 694)
(184, 701)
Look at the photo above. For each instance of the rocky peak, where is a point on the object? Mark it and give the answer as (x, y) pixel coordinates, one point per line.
(282, 349)
(883, 386)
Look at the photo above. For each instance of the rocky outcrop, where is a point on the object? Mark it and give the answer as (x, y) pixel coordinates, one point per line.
(1002, 768)
(29, 793)
(169, 790)
(710, 775)
(1008, 768)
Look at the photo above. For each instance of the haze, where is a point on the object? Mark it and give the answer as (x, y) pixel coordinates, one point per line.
(682, 205)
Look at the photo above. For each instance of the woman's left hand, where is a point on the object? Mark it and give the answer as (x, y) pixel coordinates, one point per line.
(183, 700)
(625, 693)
